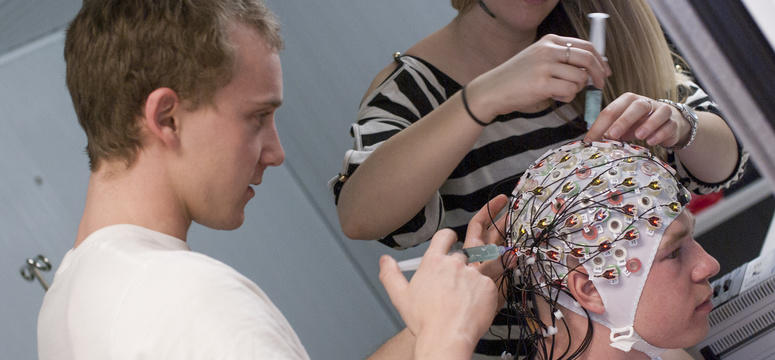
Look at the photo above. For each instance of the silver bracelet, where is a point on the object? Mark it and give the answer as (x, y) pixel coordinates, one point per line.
(688, 115)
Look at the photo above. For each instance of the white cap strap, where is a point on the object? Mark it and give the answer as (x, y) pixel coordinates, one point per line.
(623, 338)
(626, 339)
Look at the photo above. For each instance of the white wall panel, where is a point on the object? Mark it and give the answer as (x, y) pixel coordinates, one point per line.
(22, 21)
(39, 138)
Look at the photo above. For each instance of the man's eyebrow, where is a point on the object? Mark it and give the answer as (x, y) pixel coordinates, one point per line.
(272, 103)
(676, 237)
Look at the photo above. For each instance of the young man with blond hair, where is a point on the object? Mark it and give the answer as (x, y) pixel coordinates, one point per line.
(177, 99)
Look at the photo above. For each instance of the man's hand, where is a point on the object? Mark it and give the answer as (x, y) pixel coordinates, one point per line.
(446, 305)
(483, 229)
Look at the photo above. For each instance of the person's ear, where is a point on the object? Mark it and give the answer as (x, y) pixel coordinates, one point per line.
(584, 290)
(159, 115)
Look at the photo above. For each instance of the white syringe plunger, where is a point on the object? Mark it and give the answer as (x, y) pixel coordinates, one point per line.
(597, 31)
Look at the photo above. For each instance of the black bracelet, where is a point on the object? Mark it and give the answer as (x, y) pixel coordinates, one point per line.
(468, 110)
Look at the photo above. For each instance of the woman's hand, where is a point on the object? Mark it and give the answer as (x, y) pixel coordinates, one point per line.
(633, 116)
(554, 67)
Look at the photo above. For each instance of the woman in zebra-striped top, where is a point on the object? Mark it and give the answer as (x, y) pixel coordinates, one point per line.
(423, 163)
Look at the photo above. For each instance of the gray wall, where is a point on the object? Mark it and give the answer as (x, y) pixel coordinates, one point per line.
(290, 245)
(333, 51)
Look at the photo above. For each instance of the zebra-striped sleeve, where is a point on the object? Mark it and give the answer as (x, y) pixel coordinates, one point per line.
(403, 98)
(700, 101)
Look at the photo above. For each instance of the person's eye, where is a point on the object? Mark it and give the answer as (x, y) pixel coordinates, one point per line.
(260, 117)
(674, 254)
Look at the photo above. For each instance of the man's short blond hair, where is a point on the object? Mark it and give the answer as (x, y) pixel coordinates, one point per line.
(119, 51)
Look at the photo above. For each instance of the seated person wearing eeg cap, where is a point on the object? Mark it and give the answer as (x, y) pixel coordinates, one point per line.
(607, 267)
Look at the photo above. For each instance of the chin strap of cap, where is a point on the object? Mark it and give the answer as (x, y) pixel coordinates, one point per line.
(626, 339)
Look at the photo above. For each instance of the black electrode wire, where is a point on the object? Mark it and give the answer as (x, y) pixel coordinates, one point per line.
(575, 171)
(570, 339)
(492, 195)
(560, 216)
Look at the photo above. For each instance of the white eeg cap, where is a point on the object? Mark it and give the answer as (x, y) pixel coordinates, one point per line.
(605, 206)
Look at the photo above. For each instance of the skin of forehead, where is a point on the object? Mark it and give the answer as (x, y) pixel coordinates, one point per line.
(677, 231)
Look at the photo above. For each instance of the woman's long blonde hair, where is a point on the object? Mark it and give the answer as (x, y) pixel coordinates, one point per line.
(637, 52)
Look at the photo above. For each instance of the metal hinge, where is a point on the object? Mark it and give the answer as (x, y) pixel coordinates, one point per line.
(31, 270)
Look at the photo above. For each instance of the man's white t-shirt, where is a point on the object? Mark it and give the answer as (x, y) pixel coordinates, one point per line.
(127, 292)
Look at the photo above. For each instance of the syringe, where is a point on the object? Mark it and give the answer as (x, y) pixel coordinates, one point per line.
(473, 254)
(593, 95)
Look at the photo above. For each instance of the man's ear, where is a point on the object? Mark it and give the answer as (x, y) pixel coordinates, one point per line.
(584, 290)
(159, 115)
